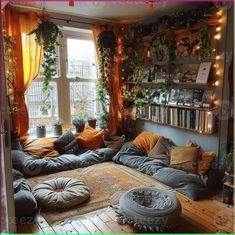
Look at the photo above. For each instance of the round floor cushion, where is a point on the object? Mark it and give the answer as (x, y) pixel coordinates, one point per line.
(61, 193)
(149, 209)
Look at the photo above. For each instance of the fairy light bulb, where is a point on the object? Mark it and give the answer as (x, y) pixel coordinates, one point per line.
(219, 13)
(209, 126)
(217, 36)
(218, 28)
(218, 73)
(217, 57)
(217, 83)
(10, 90)
(220, 20)
(215, 66)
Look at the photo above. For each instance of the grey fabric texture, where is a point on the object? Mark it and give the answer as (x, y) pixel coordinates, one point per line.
(162, 149)
(67, 144)
(149, 209)
(192, 185)
(30, 166)
(23, 196)
(61, 193)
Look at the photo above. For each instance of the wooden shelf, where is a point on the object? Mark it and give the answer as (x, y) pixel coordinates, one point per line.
(189, 60)
(179, 127)
(189, 85)
(187, 107)
(185, 85)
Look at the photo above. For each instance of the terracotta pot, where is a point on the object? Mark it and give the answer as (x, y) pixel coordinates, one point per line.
(92, 123)
(79, 128)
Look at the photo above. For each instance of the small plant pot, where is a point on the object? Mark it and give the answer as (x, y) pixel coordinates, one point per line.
(92, 123)
(229, 177)
(40, 131)
(80, 128)
(57, 129)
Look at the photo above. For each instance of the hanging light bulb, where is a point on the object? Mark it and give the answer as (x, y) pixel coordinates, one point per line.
(148, 53)
(150, 7)
(71, 3)
(218, 28)
(217, 83)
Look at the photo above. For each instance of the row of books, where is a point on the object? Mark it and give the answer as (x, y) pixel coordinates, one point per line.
(199, 120)
(188, 97)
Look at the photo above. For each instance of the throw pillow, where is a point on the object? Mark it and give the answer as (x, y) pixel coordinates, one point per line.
(191, 144)
(91, 138)
(205, 162)
(42, 147)
(67, 144)
(163, 146)
(145, 141)
(184, 158)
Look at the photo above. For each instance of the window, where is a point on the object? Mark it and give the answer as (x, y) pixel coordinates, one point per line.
(74, 87)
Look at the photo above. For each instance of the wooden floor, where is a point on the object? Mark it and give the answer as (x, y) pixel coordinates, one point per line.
(205, 216)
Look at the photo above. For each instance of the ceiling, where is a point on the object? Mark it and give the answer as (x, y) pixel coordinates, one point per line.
(116, 12)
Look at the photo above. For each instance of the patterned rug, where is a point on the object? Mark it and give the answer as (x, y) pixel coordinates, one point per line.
(107, 182)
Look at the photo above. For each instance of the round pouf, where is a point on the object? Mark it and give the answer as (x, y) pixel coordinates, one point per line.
(61, 193)
(149, 209)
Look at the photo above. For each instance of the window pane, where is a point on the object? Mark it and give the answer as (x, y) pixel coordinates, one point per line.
(81, 59)
(83, 99)
(34, 99)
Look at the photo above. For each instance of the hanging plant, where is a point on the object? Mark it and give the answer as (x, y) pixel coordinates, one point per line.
(46, 35)
(107, 45)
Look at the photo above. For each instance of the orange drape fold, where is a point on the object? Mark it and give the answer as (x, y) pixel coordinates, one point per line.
(29, 57)
(115, 97)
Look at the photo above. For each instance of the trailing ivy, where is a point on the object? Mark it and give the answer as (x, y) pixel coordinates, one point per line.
(46, 35)
(107, 45)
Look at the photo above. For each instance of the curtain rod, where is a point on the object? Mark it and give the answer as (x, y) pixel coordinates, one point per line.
(66, 20)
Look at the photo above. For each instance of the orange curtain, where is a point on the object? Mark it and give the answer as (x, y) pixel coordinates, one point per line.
(115, 97)
(29, 57)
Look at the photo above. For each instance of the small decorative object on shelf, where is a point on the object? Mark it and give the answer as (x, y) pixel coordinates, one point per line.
(203, 72)
(57, 128)
(91, 122)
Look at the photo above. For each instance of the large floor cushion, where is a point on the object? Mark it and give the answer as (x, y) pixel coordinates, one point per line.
(61, 193)
(149, 209)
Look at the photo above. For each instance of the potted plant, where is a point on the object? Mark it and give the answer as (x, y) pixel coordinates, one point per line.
(57, 128)
(40, 131)
(79, 124)
(228, 163)
(91, 122)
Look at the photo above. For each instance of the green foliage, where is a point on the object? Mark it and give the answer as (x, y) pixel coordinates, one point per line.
(107, 45)
(205, 48)
(46, 35)
(228, 161)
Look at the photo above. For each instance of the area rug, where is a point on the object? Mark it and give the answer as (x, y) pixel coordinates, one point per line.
(107, 182)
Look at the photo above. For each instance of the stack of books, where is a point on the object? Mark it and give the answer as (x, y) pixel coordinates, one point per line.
(199, 120)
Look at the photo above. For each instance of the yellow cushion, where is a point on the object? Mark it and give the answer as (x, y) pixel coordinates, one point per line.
(145, 141)
(205, 162)
(184, 158)
(40, 147)
(91, 138)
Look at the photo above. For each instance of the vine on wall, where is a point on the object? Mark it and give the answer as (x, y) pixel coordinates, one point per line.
(107, 45)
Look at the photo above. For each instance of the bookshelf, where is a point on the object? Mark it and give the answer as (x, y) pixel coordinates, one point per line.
(200, 120)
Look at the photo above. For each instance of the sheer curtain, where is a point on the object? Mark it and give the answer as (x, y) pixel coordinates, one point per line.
(29, 57)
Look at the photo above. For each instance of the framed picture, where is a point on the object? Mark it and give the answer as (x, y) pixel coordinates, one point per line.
(186, 72)
(203, 72)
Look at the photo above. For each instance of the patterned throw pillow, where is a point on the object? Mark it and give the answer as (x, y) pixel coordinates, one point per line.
(67, 144)
(184, 158)
(145, 141)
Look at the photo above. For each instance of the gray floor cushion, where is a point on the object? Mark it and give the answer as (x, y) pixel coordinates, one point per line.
(149, 209)
(61, 193)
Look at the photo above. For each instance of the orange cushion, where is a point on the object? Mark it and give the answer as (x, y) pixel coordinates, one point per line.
(40, 147)
(91, 138)
(145, 141)
(205, 162)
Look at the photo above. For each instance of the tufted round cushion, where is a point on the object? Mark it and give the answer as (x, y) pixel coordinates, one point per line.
(149, 209)
(61, 193)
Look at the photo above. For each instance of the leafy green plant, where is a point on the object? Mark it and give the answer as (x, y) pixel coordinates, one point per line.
(205, 47)
(46, 35)
(165, 90)
(228, 161)
(107, 45)
(78, 122)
